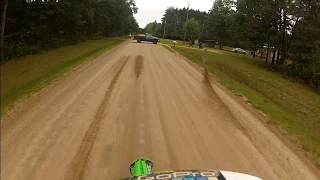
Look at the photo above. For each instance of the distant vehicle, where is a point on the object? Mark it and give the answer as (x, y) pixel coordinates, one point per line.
(147, 37)
(239, 50)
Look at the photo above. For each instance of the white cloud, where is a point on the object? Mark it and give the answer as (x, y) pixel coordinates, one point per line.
(151, 10)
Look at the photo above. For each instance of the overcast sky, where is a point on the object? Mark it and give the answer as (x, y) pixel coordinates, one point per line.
(151, 10)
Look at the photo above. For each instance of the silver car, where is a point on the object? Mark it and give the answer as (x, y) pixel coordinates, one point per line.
(239, 50)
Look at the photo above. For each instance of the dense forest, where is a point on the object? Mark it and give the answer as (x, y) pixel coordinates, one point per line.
(285, 32)
(32, 26)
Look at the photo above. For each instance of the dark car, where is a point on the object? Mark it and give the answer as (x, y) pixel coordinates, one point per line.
(147, 37)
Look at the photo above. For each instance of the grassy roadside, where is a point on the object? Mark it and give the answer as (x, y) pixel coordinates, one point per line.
(292, 107)
(185, 44)
(170, 42)
(23, 76)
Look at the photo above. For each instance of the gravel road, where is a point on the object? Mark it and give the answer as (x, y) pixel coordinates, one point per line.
(140, 100)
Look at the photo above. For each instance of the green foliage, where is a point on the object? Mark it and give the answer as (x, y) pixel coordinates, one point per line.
(174, 21)
(193, 29)
(291, 27)
(305, 43)
(36, 25)
(154, 29)
(219, 20)
(284, 32)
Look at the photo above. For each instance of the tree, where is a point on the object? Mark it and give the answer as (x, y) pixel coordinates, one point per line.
(175, 22)
(193, 29)
(35, 25)
(3, 11)
(154, 29)
(305, 42)
(219, 20)
(283, 29)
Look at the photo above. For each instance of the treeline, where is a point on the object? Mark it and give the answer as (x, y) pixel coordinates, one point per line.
(174, 20)
(284, 32)
(35, 25)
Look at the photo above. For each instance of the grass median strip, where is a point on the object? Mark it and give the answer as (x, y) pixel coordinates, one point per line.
(288, 105)
(26, 75)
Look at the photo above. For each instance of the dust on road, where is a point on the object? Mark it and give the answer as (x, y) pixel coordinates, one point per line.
(140, 100)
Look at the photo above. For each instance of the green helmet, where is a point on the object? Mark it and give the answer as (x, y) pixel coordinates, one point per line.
(141, 166)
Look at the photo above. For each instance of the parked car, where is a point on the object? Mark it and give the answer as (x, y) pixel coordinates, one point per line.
(239, 50)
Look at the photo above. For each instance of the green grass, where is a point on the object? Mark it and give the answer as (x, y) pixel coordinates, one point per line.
(23, 76)
(170, 49)
(170, 42)
(290, 106)
(181, 43)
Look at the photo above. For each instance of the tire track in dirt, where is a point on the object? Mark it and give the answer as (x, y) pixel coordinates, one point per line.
(79, 162)
(138, 65)
(215, 98)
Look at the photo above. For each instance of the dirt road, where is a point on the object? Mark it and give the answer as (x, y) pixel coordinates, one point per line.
(139, 100)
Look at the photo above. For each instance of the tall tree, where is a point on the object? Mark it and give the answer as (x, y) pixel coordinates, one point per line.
(175, 22)
(3, 11)
(305, 41)
(193, 29)
(219, 20)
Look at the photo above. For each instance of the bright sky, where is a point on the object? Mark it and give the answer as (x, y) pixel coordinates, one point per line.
(151, 10)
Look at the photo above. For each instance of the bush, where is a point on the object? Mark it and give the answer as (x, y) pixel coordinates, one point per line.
(57, 42)
(18, 49)
(315, 81)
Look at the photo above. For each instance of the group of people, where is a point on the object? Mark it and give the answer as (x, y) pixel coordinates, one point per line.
(191, 44)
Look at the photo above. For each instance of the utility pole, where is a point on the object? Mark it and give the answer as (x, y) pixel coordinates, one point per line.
(185, 30)
(164, 31)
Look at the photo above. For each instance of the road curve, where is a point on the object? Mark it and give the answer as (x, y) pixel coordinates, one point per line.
(140, 100)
